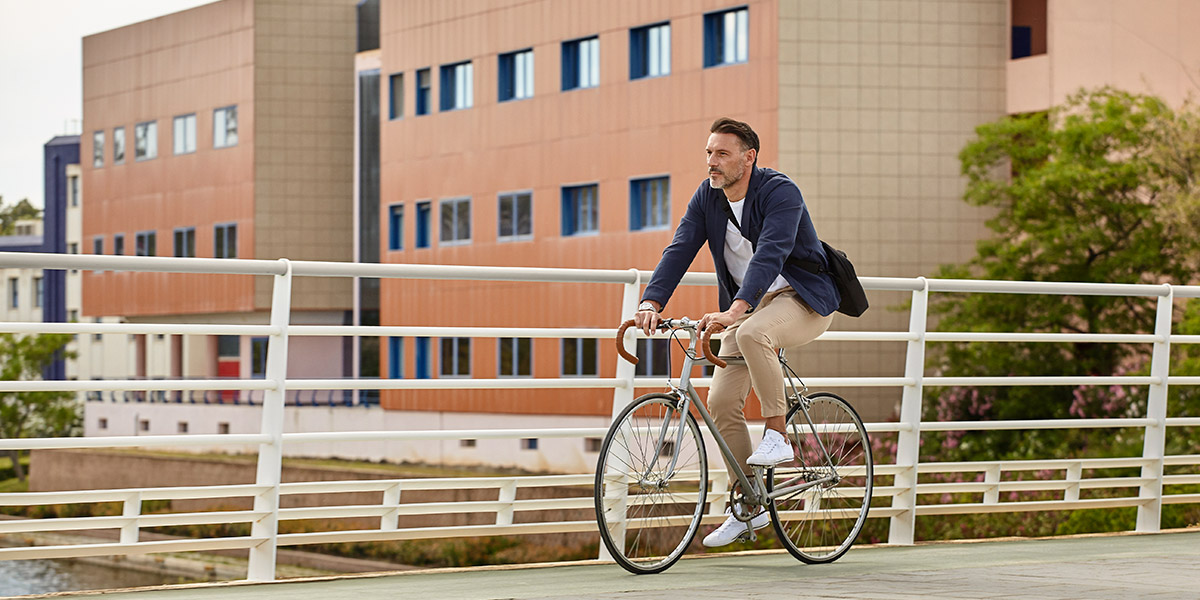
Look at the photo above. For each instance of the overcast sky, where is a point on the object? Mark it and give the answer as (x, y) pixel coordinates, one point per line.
(41, 76)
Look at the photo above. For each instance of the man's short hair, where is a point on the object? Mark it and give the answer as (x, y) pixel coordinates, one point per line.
(742, 130)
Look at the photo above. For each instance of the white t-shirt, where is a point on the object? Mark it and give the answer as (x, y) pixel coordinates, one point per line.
(739, 250)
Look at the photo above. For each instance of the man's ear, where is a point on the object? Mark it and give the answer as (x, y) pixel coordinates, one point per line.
(752, 154)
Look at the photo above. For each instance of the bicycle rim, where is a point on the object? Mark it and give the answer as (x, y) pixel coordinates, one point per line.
(651, 485)
(819, 524)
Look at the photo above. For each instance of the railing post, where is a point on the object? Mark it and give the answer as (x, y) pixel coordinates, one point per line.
(391, 500)
(1074, 477)
(133, 509)
(1149, 515)
(270, 454)
(622, 396)
(508, 495)
(991, 476)
(908, 444)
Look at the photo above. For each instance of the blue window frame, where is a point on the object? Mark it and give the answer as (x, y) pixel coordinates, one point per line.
(225, 240)
(185, 242)
(650, 51)
(424, 210)
(396, 227)
(580, 209)
(458, 86)
(727, 37)
(423, 366)
(396, 357)
(581, 63)
(649, 203)
(515, 357)
(516, 75)
(395, 95)
(424, 83)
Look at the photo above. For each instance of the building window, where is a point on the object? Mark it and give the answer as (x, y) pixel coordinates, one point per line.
(73, 190)
(457, 86)
(649, 203)
(102, 423)
(258, 357)
(654, 358)
(529, 444)
(579, 358)
(185, 242)
(119, 244)
(456, 357)
(726, 37)
(181, 427)
(98, 149)
(581, 63)
(592, 444)
(516, 75)
(73, 315)
(145, 243)
(119, 146)
(145, 140)
(423, 211)
(222, 428)
(395, 95)
(580, 209)
(73, 248)
(225, 241)
(98, 245)
(396, 227)
(225, 127)
(185, 134)
(467, 443)
(516, 357)
(144, 425)
(97, 337)
(516, 216)
(395, 357)
(424, 370)
(14, 292)
(650, 51)
(424, 83)
(455, 220)
(39, 292)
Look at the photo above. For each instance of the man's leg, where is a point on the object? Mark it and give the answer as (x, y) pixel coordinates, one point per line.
(726, 401)
(781, 321)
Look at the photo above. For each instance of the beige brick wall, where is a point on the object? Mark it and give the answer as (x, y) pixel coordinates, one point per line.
(877, 98)
(304, 156)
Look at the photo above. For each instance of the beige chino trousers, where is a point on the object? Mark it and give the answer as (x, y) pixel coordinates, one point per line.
(781, 320)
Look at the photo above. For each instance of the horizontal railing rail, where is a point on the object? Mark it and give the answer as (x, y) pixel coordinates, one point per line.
(400, 509)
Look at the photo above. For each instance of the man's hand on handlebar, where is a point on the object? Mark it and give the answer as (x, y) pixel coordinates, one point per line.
(726, 318)
(646, 318)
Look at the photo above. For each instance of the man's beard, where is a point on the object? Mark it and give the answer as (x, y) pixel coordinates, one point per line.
(728, 179)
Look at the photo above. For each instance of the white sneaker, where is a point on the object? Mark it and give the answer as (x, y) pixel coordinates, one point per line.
(732, 529)
(772, 450)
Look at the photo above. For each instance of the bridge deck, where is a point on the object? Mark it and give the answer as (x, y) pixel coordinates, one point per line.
(1163, 565)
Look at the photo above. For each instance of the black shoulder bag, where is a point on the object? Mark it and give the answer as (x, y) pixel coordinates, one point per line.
(854, 298)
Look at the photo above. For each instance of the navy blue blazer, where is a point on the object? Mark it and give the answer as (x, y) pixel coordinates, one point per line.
(775, 220)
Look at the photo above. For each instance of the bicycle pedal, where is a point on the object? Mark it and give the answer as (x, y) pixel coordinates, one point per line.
(748, 537)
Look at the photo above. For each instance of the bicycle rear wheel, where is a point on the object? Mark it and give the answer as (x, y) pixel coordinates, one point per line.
(820, 523)
(651, 484)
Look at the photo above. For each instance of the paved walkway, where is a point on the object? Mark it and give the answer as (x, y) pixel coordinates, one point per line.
(1155, 566)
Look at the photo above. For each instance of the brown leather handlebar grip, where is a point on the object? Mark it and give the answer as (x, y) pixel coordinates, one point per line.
(621, 343)
(706, 345)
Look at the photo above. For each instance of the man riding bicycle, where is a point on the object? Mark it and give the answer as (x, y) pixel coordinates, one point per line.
(758, 231)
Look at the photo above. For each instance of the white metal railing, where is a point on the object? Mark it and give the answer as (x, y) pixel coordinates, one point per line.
(572, 493)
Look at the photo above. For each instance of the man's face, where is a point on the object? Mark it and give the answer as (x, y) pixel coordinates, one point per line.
(727, 161)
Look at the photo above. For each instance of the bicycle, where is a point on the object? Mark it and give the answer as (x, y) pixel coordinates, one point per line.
(652, 473)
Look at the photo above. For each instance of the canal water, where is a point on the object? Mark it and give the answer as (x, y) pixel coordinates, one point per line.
(18, 577)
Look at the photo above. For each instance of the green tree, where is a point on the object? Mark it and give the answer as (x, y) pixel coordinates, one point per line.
(1096, 190)
(9, 215)
(34, 414)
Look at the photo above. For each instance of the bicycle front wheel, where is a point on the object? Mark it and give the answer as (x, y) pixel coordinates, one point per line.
(830, 480)
(651, 484)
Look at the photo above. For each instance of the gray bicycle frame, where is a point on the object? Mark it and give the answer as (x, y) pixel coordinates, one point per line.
(687, 396)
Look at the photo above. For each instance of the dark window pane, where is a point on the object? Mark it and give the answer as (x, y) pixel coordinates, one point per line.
(570, 356)
(589, 356)
(463, 220)
(506, 356)
(524, 214)
(506, 216)
(524, 356)
(464, 356)
(447, 356)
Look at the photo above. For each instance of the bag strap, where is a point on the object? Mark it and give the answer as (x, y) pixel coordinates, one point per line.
(807, 265)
